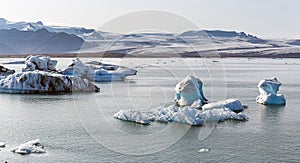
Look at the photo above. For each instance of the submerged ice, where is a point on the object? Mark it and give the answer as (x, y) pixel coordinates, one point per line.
(190, 107)
(268, 89)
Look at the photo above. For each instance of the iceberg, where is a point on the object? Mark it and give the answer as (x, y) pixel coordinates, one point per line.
(98, 72)
(42, 63)
(2, 144)
(44, 82)
(5, 71)
(190, 107)
(189, 92)
(33, 146)
(186, 115)
(132, 116)
(268, 89)
(203, 150)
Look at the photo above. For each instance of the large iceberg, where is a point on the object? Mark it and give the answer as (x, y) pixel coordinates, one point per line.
(190, 108)
(33, 146)
(43, 63)
(97, 71)
(44, 82)
(268, 89)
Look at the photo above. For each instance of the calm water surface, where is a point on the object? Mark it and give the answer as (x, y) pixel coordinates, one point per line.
(80, 127)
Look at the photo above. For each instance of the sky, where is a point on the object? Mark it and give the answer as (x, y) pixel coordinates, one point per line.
(263, 18)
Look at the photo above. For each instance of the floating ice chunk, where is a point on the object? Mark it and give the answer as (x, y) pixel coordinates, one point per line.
(189, 92)
(186, 115)
(44, 82)
(33, 146)
(268, 89)
(97, 71)
(203, 150)
(5, 71)
(2, 144)
(232, 104)
(43, 63)
(189, 97)
(132, 116)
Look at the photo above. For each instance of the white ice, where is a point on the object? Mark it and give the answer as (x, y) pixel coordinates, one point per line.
(232, 104)
(2, 144)
(189, 92)
(186, 115)
(189, 100)
(43, 63)
(132, 116)
(5, 71)
(33, 146)
(44, 82)
(97, 71)
(268, 89)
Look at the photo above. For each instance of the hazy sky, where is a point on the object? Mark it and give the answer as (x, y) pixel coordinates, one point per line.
(264, 18)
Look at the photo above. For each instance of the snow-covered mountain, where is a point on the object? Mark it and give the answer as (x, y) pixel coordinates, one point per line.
(34, 26)
(41, 41)
(24, 37)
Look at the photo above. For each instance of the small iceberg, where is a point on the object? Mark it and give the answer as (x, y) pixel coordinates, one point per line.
(204, 150)
(5, 71)
(132, 116)
(98, 72)
(189, 92)
(44, 82)
(268, 89)
(2, 144)
(33, 146)
(190, 108)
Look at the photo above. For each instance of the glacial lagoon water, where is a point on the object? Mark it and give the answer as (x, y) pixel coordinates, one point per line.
(80, 127)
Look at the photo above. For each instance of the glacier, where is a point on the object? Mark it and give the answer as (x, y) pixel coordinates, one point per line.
(44, 82)
(97, 71)
(268, 89)
(190, 107)
(33, 146)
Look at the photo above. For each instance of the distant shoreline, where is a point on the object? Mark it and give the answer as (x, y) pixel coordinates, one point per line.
(184, 55)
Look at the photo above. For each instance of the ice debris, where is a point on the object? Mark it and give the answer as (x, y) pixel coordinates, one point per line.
(33, 146)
